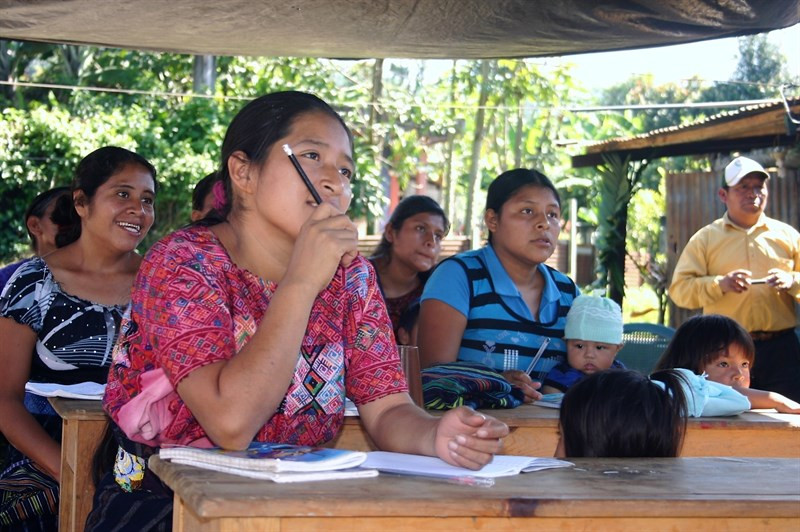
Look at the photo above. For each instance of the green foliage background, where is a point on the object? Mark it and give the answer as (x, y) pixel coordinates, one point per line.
(410, 122)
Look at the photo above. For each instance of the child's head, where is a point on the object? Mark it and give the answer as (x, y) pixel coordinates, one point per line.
(593, 333)
(523, 214)
(623, 414)
(203, 197)
(41, 229)
(712, 344)
(407, 326)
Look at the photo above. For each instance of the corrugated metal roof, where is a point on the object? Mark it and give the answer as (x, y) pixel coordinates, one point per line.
(718, 118)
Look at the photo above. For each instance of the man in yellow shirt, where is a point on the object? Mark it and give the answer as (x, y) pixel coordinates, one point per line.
(747, 266)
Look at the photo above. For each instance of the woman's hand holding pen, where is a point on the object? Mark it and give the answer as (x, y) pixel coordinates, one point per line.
(468, 439)
(523, 381)
(328, 238)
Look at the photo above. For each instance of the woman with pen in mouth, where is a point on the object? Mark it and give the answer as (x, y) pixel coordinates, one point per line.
(59, 317)
(500, 304)
(254, 323)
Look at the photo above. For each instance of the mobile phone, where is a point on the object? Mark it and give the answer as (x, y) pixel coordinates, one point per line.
(758, 281)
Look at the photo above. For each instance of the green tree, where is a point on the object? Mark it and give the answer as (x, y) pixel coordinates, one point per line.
(617, 182)
(409, 124)
(760, 70)
(646, 241)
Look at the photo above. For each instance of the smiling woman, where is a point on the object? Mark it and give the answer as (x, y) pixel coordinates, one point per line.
(61, 315)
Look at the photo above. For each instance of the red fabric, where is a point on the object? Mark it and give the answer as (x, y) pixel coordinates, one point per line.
(192, 306)
(396, 306)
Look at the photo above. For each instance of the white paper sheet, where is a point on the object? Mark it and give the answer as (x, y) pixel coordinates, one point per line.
(83, 390)
(500, 466)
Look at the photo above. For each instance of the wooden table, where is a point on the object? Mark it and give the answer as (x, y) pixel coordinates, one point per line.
(597, 494)
(534, 432)
(83, 424)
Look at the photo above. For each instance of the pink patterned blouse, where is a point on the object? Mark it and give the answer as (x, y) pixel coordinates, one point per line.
(192, 306)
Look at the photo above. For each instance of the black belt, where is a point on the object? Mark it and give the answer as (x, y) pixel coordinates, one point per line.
(765, 336)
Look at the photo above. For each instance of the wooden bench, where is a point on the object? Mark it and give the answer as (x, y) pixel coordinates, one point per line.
(597, 494)
(451, 245)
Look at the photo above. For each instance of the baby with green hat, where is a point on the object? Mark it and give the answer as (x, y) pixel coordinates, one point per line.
(593, 333)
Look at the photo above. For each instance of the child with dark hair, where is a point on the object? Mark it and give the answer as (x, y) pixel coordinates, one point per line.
(621, 413)
(720, 348)
(408, 251)
(41, 229)
(203, 196)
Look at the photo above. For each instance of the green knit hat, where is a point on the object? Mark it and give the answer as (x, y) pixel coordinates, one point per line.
(594, 319)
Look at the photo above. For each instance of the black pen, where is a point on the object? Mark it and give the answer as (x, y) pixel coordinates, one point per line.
(302, 173)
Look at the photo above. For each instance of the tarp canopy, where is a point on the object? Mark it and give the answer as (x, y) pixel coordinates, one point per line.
(389, 28)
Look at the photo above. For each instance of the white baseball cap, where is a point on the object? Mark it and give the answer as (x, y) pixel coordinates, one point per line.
(740, 167)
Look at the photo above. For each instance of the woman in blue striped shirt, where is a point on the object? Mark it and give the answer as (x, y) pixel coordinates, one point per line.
(497, 304)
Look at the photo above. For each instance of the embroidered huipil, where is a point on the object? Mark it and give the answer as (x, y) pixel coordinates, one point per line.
(192, 306)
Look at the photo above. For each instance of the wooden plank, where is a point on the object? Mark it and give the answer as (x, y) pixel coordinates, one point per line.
(534, 432)
(674, 488)
(400, 524)
(83, 425)
(450, 245)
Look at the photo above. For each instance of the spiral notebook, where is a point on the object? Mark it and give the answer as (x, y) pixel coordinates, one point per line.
(275, 461)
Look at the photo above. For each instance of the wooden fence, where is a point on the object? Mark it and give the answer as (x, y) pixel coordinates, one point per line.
(692, 202)
(559, 259)
(450, 245)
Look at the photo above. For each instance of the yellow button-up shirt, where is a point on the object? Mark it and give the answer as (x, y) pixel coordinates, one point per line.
(721, 247)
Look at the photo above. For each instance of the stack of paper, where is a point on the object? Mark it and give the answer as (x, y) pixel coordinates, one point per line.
(550, 400)
(83, 390)
(500, 466)
(350, 408)
(275, 461)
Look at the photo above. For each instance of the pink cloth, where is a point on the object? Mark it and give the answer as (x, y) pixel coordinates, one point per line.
(146, 415)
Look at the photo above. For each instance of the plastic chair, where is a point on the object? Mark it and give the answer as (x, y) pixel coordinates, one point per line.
(644, 344)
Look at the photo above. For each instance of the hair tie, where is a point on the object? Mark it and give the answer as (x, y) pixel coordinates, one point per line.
(220, 201)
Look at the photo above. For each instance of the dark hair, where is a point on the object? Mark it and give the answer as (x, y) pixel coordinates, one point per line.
(92, 172)
(409, 316)
(408, 207)
(39, 206)
(260, 124)
(509, 182)
(620, 413)
(202, 189)
(700, 340)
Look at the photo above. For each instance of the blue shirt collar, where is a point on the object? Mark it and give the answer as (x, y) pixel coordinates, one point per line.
(503, 284)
